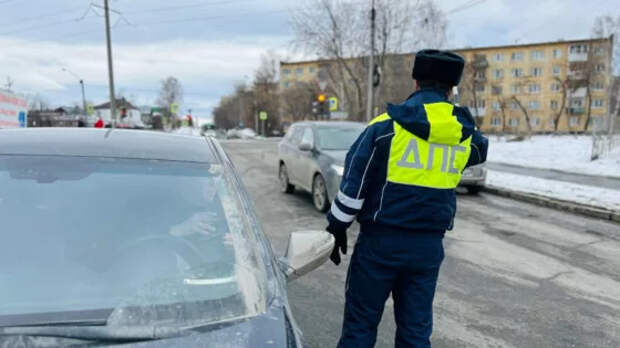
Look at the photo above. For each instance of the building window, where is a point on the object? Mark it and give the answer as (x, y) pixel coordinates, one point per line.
(515, 89)
(516, 56)
(496, 90)
(533, 105)
(553, 104)
(496, 121)
(599, 67)
(599, 51)
(557, 53)
(535, 121)
(514, 105)
(498, 57)
(479, 75)
(533, 88)
(299, 71)
(578, 49)
(517, 72)
(537, 55)
(557, 71)
(498, 74)
(576, 103)
(555, 87)
(286, 71)
(537, 71)
(480, 88)
(286, 84)
(514, 122)
(497, 106)
(598, 86)
(597, 103)
(573, 121)
(311, 69)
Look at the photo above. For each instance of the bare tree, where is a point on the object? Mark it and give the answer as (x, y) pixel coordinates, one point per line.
(338, 30)
(297, 101)
(37, 102)
(558, 115)
(474, 79)
(171, 92)
(607, 26)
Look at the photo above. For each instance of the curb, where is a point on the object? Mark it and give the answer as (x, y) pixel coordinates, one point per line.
(577, 208)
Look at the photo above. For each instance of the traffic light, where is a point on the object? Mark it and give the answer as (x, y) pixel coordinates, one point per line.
(321, 98)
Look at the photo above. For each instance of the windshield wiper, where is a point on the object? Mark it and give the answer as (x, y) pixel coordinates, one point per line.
(96, 333)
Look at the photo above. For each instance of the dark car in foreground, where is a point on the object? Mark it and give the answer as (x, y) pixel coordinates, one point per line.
(311, 157)
(117, 237)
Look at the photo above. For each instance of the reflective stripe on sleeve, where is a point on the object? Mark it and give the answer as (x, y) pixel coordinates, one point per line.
(340, 215)
(350, 202)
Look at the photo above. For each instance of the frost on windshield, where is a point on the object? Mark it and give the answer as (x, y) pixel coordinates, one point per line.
(229, 288)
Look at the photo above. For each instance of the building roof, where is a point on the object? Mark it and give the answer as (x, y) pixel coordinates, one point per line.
(319, 61)
(120, 103)
(111, 143)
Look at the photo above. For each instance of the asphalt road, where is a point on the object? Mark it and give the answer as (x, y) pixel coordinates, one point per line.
(576, 178)
(515, 275)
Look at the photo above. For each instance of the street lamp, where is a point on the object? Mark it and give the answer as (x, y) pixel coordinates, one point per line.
(82, 85)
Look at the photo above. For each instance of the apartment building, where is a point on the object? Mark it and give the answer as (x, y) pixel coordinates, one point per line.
(509, 87)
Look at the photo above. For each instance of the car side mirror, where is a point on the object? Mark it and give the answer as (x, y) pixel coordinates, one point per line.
(305, 146)
(306, 251)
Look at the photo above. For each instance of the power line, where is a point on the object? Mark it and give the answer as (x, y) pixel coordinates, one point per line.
(179, 7)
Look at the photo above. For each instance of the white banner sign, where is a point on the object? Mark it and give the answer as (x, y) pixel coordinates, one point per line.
(13, 110)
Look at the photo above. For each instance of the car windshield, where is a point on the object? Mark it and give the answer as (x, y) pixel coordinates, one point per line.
(136, 241)
(338, 137)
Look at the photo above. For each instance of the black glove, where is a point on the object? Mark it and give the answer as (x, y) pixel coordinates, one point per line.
(341, 243)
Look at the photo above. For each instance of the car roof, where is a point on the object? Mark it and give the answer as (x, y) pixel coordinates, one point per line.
(328, 123)
(115, 143)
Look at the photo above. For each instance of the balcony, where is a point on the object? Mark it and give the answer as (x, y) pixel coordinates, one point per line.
(578, 57)
(576, 110)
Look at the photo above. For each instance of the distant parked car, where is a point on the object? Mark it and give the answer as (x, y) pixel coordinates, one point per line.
(474, 178)
(312, 157)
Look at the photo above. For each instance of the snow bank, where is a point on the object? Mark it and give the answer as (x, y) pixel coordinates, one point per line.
(599, 197)
(562, 152)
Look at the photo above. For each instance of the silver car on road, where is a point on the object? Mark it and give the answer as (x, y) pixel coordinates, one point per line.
(312, 155)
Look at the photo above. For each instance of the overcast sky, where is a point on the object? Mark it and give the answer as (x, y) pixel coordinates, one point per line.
(212, 44)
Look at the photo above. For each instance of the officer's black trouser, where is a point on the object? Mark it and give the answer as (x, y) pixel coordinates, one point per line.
(404, 263)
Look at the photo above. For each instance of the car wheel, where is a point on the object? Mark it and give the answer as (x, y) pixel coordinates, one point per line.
(474, 190)
(319, 193)
(285, 185)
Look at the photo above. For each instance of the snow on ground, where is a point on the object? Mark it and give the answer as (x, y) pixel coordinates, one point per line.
(561, 152)
(599, 197)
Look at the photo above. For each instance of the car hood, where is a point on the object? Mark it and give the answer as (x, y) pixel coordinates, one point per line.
(337, 156)
(270, 329)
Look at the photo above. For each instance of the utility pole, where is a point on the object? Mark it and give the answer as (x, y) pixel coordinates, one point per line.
(82, 85)
(110, 67)
(371, 65)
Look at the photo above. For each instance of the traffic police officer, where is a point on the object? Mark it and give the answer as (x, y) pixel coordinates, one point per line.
(399, 180)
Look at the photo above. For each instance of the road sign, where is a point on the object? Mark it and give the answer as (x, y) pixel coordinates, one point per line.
(174, 108)
(333, 103)
(262, 115)
(90, 109)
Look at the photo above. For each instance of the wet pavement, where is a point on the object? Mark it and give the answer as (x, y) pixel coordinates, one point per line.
(515, 275)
